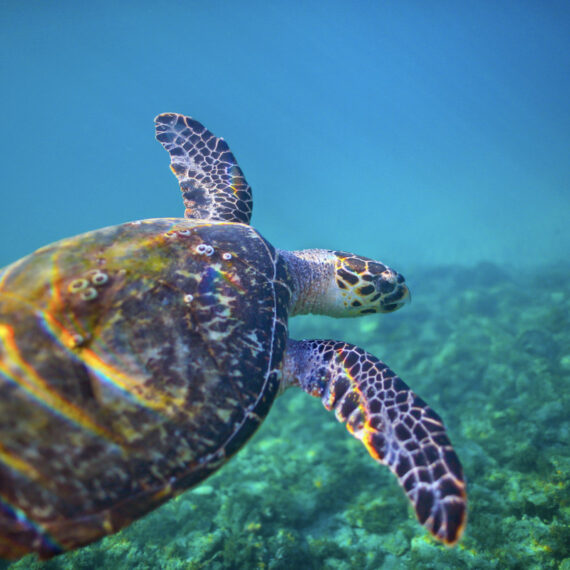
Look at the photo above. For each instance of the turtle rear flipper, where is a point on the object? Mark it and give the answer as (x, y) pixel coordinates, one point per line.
(397, 427)
(212, 184)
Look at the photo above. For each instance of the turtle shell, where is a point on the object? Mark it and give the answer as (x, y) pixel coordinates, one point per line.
(134, 361)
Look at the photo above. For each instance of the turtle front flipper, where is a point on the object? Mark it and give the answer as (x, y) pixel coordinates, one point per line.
(212, 184)
(397, 427)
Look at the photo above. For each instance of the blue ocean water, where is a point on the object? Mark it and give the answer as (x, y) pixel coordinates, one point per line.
(415, 133)
(428, 135)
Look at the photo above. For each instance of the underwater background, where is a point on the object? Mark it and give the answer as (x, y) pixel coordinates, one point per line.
(434, 136)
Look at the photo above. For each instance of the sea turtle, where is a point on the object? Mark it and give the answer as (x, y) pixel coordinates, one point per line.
(136, 359)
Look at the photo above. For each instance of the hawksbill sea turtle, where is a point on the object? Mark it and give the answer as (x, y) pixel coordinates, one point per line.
(135, 360)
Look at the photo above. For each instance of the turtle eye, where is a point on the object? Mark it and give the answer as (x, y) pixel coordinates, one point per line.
(385, 283)
(391, 290)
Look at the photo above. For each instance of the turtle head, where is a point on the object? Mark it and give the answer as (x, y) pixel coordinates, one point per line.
(341, 284)
(364, 286)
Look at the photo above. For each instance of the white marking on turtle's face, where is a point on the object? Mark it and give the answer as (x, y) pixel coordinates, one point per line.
(188, 298)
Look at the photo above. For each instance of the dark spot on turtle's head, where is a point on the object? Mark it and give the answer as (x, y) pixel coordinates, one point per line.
(385, 286)
(349, 277)
(367, 290)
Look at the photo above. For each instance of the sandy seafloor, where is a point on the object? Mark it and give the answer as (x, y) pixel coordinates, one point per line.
(489, 349)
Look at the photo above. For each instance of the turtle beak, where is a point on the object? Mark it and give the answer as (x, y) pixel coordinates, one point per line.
(398, 298)
(406, 295)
